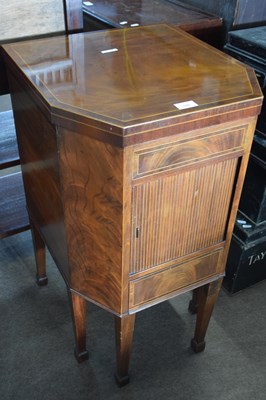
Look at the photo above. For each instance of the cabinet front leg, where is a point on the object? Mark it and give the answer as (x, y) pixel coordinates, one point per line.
(39, 251)
(78, 311)
(207, 296)
(124, 330)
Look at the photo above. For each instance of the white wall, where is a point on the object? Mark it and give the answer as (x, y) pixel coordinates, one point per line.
(22, 18)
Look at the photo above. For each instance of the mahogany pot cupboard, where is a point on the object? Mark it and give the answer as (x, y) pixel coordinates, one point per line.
(133, 165)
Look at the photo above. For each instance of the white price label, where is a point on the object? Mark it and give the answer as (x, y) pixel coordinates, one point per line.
(186, 104)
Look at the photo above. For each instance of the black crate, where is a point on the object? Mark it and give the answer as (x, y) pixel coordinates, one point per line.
(246, 264)
(249, 46)
(253, 197)
(259, 146)
(247, 231)
(251, 40)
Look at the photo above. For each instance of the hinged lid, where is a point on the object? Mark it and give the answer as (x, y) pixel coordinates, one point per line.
(133, 80)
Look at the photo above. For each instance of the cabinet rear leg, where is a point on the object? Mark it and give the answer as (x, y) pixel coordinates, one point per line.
(78, 311)
(207, 296)
(39, 251)
(124, 331)
(194, 302)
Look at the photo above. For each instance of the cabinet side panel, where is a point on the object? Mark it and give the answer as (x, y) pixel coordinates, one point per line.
(39, 162)
(92, 187)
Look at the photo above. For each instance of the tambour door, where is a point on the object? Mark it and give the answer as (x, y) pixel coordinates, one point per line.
(181, 213)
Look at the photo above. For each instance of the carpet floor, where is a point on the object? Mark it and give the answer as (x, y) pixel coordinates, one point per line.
(36, 343)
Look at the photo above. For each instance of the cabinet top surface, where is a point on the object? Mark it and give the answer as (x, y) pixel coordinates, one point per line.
(131, 77)
(144, 12)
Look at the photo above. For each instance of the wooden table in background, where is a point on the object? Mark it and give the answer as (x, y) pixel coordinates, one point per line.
(134, 145)
(106, 14)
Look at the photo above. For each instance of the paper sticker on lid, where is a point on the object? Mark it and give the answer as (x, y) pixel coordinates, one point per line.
(186, 104)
